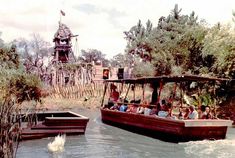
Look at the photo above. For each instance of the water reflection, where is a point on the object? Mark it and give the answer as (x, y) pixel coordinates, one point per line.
(104, 141)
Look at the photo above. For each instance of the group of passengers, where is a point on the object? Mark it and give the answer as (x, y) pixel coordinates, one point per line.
(161, 109)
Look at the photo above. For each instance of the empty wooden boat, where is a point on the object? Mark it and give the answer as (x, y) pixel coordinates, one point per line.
(51, 123)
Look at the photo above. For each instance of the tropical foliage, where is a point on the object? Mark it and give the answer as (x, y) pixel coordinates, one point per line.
(16, 86)
(183, 43)
(219, 47)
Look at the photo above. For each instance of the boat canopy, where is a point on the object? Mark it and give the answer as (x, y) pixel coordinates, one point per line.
(180, 78)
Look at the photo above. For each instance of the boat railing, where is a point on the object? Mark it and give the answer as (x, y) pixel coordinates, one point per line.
(138, 104)
(148, 105)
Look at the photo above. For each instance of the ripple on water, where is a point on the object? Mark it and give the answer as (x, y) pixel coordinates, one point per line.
(207, 148)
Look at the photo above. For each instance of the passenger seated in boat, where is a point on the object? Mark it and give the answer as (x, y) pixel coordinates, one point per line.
(140, 110)
(207, 114)
(116, 107)
(201, 110)
(132, 108)
(147, 110)
(181, 116)
(153, 110)
(169, 109)
(162, 113)
(114, 95)
(109, 105)
(186, 115)
(193, 114)
(123, 107)
(164, 110)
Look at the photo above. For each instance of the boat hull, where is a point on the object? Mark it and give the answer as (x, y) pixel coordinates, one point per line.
(54, 123)
(167, 129)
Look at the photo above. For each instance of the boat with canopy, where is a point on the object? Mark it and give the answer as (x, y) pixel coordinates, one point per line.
(167, 129)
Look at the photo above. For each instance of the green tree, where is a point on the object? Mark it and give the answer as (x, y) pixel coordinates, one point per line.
(122, 60)
(95, 55)
(176, 42)
(143, 69)
(16, 86)
(219, 47)
(138, 40)
(9, 58)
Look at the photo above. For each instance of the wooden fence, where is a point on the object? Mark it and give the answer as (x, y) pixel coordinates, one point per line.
(77, 91)
(95, 89)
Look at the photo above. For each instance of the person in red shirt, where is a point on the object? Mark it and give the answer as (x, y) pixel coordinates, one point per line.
(114, 95)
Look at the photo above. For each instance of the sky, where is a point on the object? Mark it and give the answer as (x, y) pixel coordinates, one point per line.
(99, 23)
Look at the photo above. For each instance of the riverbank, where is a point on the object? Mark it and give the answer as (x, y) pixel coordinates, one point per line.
(56, 102)
(49, 103)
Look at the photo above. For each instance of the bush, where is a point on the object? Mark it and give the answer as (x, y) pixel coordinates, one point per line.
(16, 86)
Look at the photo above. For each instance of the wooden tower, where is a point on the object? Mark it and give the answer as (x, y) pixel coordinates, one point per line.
(63, 46)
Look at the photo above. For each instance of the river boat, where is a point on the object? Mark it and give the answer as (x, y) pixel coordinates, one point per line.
(51, 123)
(173, 130)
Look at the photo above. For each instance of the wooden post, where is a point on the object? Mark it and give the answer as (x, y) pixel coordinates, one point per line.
(121, 88)
(134, 91)
(105, 89)
(143, 94)
(199, 93)
(127, 91)
(160, 90)
(181, 95)
(216, 102)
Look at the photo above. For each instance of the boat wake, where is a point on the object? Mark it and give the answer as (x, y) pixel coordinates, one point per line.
(208, 148)
(57, 145)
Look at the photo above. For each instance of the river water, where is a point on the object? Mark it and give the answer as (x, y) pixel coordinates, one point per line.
(104, 141)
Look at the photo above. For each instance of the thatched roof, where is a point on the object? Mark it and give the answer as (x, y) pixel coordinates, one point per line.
(63, 32)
